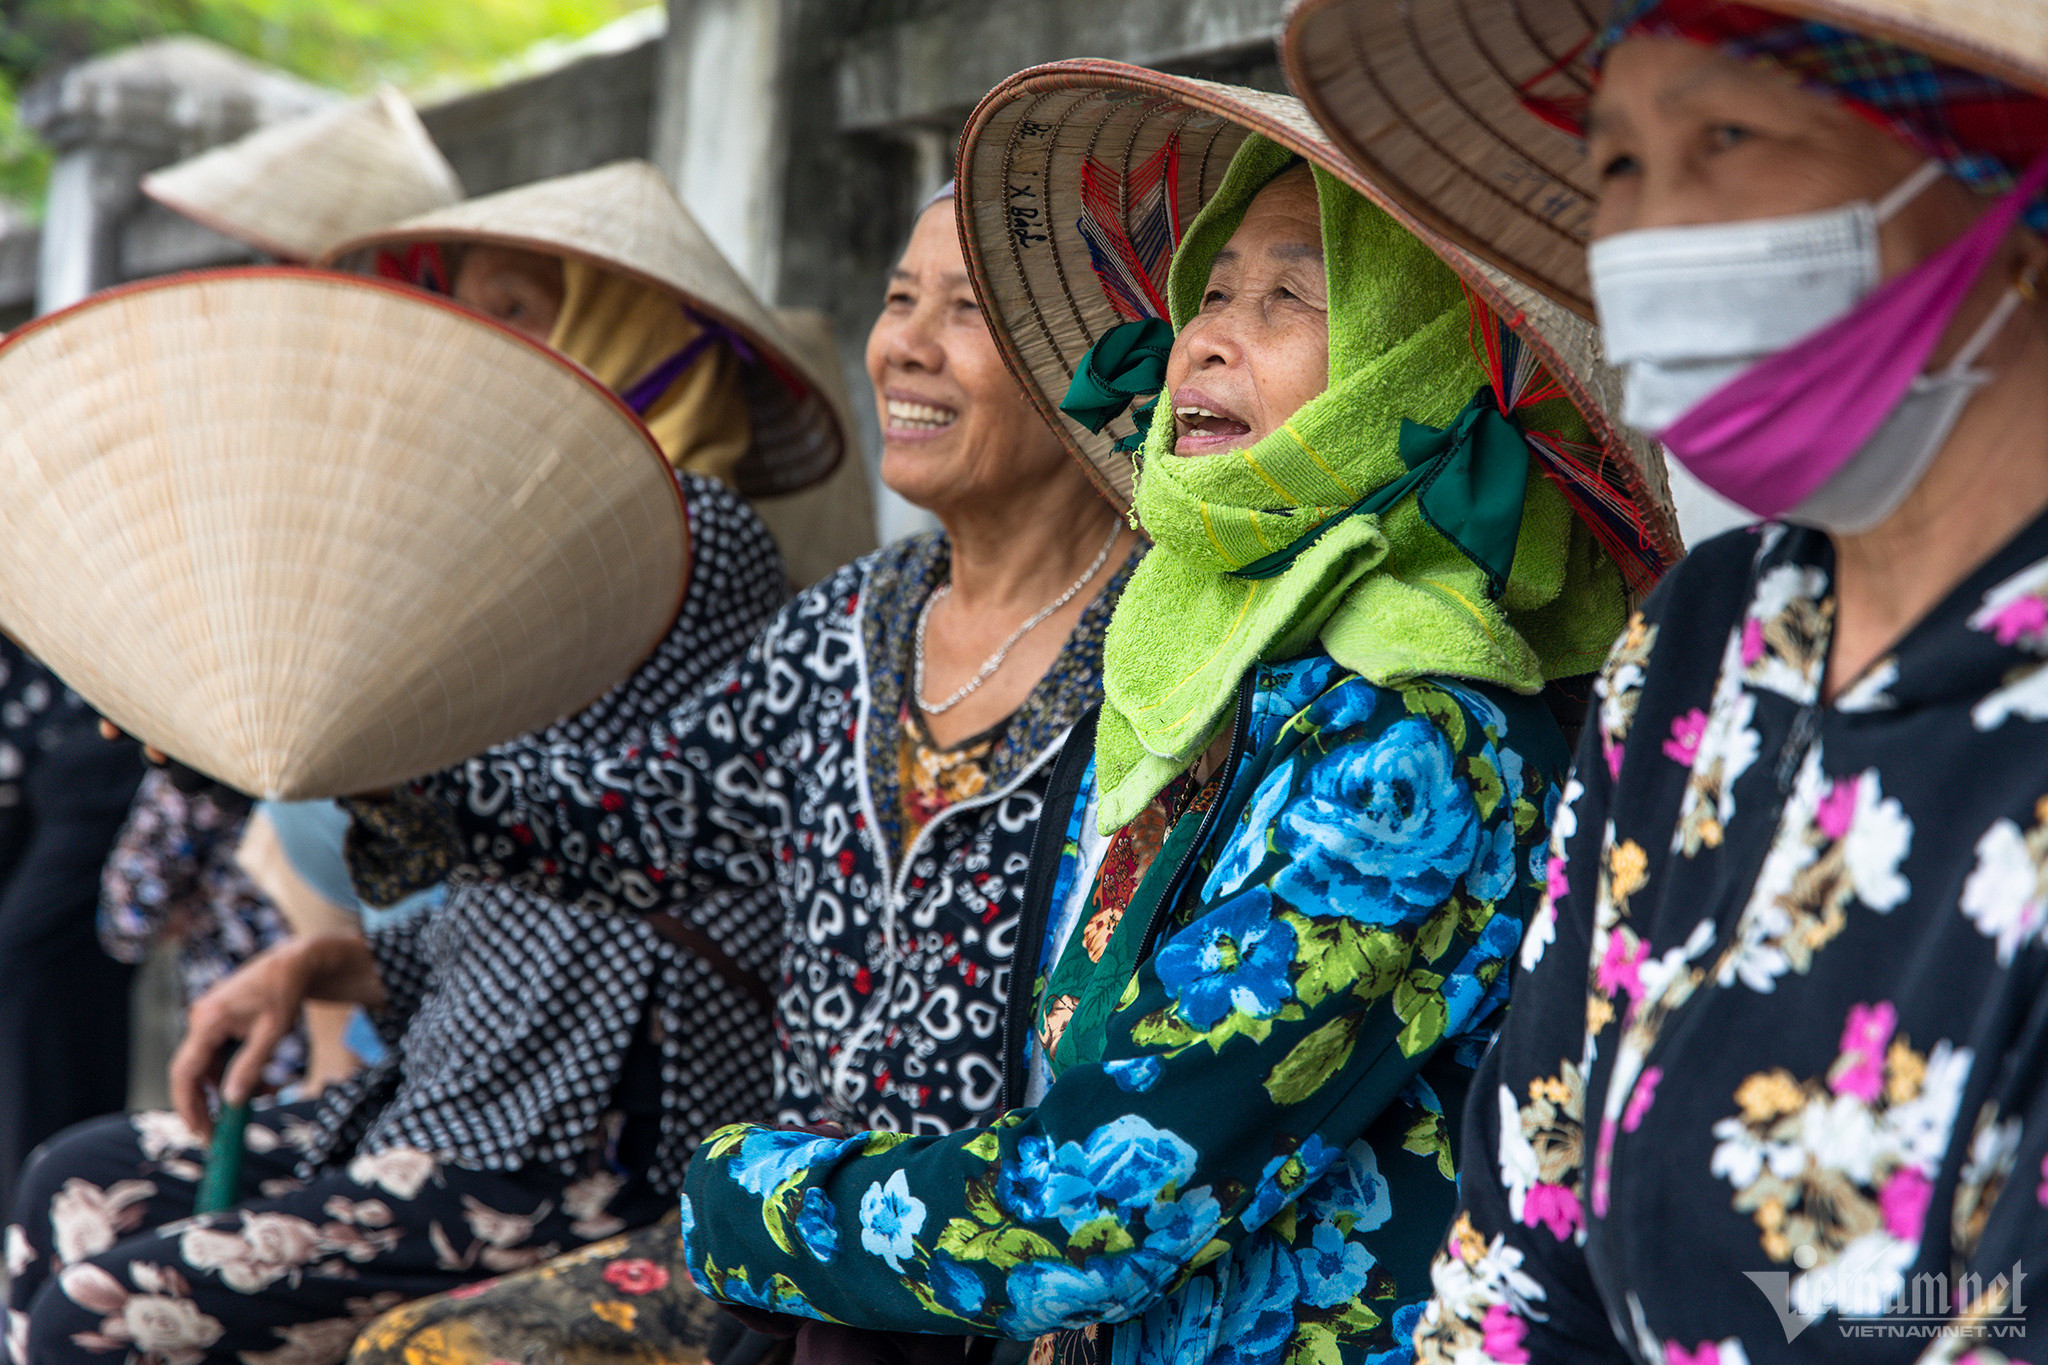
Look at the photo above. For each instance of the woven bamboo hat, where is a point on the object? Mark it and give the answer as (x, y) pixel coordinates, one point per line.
(1461, 109)
(1026, 221)
(625, 217)
(294, 189)
(313, 534)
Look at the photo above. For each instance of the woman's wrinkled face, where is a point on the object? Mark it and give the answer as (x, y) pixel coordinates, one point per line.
(955, 426)
(1680, 134)
(522, 289)
(1259, 347)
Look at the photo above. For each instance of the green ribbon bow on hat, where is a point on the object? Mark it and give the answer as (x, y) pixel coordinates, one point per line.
(1127, 363)
(1310, 539)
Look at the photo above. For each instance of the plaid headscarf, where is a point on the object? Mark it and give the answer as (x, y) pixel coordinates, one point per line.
(1984, 130)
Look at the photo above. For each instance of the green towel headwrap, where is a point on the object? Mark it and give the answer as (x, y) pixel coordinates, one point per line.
(1270, 552)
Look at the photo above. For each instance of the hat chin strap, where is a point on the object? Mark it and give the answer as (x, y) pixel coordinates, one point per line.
(643, 393)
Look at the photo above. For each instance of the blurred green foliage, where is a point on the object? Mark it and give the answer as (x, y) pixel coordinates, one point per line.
(348, 44)
(24, 161)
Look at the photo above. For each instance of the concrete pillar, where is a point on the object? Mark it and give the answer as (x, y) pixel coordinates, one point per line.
(738, 76)
(112, 119)
(728, 100)
(721, 127)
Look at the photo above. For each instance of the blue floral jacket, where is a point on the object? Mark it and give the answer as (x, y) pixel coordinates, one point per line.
(1259, 1166)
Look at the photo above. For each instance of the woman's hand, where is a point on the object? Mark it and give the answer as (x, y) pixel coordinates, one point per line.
(255, 1008)
(110, 732)
(184, 777)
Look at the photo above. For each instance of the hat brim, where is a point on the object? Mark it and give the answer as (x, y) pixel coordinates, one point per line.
(292, 189)
(799, 435)
(315, 534)
(1020, 208)
(1436, 100)
(243, 233)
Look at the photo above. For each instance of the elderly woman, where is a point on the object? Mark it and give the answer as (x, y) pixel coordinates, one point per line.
(1775, 1067)
(879, 755)
(1322, 773)
(607, 267)
(626, 332)
(876, 762)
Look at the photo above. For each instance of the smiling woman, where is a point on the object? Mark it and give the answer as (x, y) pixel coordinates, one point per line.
(1022, 525)
(869, 766)
(895, 765)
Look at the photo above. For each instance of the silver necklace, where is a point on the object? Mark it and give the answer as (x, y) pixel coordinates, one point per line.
(995, 660)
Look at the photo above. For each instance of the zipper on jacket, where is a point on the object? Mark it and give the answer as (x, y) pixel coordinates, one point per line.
(1240, 730)
(1041, 872)
(899, 885)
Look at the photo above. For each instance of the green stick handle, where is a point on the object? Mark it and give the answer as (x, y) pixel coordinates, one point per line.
(223, 1178)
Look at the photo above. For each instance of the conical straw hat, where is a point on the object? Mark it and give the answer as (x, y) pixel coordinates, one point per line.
(625, 217)
(1021, 219)
(314, 534)
(1433, 98)
(294, 189)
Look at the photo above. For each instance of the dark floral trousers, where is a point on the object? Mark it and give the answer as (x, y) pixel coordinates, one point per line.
(108, 1266)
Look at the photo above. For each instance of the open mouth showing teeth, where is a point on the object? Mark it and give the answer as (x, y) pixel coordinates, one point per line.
(1198, 419)
(919, 416)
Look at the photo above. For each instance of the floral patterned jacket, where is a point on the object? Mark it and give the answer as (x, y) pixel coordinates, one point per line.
(1774, 1081)
(1258, 1167)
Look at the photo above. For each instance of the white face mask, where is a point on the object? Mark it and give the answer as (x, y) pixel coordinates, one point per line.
(1686, 309)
